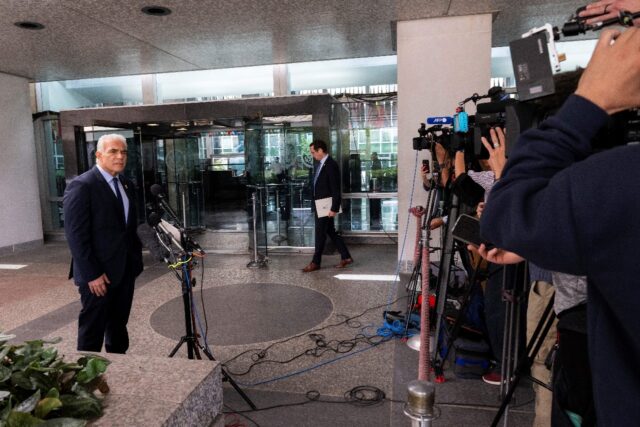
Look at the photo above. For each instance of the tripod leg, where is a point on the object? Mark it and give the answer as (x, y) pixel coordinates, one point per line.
(227, 377)
(527, 359)
(455, 330)
(411, 300)
(446, 262)
(175, 349)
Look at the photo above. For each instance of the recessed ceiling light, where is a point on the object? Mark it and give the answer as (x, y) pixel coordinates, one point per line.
(156, 10)
(182, 129)
(28, 25)
(180, 123)
(153, 124)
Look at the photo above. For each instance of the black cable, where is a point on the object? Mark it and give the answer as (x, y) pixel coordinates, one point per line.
(481, 405)
(358, 396)
(365, 395)
(259, 354)
(321, 347)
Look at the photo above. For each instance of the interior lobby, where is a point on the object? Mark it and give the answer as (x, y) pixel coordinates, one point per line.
(218, 102)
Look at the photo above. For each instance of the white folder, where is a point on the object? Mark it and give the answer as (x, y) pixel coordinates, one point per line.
(323, 206)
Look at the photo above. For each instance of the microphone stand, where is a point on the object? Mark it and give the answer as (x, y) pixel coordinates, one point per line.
(187, 247)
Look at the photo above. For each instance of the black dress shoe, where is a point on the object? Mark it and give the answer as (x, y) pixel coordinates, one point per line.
(311, 267)
(344, 262)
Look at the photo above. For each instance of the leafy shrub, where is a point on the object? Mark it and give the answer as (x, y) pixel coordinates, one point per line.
(38, 388)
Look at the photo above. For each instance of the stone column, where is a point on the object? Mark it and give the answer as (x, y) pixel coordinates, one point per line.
(441, 61)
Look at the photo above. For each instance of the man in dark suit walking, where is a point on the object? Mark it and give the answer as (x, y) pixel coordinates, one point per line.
(326, 183)
(100, 226)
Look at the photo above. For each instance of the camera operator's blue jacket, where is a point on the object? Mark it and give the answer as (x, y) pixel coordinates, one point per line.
(567, 211)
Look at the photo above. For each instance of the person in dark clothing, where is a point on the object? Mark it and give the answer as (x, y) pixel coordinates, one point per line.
(571, 212)
(100, 227)
(326, 183)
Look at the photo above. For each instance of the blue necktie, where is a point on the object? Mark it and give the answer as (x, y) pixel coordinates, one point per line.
(119, 196)
(315, 178)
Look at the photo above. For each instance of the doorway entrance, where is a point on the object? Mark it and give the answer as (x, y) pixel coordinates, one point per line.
(210, 169)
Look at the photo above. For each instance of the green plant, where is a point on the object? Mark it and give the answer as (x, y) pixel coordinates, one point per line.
(38, 388)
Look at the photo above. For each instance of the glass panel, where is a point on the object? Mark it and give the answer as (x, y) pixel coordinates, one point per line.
(367, 136)
(85, 93)
(373, 146)
(208, 85)
(287, 163)
(184, 179)
(365, 214)
(222, 157)
(55, 179)
(255, 178)
(57, 214)
(357, 75)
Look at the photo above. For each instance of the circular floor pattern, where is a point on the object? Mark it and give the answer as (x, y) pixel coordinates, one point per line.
(247, 313)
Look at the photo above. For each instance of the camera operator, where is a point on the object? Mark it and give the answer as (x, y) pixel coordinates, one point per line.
(494, 312)
(569, 213)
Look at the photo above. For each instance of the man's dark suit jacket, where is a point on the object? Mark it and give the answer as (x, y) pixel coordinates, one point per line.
(328, 183)
(98, 237)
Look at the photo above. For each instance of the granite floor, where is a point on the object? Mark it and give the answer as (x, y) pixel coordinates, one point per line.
(283, 336)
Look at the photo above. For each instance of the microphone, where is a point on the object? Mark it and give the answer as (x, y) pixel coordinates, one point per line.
(157, 191)
(443, 120)
(147, 236)
(166, 231)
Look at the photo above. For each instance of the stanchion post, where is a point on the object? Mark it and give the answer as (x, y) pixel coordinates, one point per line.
(257, 261)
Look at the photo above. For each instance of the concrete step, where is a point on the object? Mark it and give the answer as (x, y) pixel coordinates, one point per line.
(160, 391)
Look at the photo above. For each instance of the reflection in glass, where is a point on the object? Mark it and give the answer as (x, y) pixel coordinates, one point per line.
(367, 136)
(365, 214)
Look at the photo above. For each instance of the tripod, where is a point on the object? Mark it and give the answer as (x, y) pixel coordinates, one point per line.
(170, 236)
(446, 263)
(190, 338)
(526, 360)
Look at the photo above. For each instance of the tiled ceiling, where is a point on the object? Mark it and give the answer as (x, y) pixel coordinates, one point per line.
(99, 38)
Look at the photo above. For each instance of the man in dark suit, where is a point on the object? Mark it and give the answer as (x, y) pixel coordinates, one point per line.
(100, 226)
(326, 183)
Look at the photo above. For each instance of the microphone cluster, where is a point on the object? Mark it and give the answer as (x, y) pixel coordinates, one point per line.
(166, 242)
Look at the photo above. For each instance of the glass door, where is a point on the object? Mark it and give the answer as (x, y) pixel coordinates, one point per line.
(366, 136)
(180, 173)
(51, 156)
(287, 164)
(257, 197)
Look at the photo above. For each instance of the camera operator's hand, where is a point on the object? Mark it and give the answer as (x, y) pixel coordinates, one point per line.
(497, 156)
(496, 255)
(436, 223)
(612, 78)
(599, 11)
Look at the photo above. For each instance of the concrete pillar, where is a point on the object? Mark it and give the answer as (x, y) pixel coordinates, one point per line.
(20, 215)
(441, 61)
(149, 89)
(281, 80)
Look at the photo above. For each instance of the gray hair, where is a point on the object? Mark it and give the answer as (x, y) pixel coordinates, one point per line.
(104, 138)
